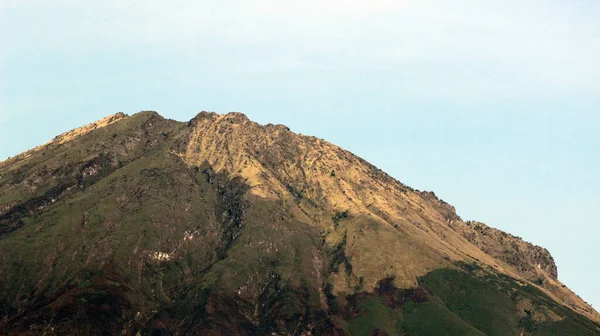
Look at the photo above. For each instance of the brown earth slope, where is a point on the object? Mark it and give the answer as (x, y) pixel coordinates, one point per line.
(278, 163)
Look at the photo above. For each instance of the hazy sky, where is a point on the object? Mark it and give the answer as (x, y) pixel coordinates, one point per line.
(494, 105)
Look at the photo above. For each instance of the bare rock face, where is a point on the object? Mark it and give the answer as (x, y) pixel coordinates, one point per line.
(222, 226)
(525, 257)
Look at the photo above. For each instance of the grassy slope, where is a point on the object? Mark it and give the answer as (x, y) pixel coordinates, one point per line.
(466, 301)
(105, 233)
(83, 255)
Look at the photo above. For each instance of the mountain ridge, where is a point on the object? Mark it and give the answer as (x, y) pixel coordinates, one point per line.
(542, 256)
(377, 227)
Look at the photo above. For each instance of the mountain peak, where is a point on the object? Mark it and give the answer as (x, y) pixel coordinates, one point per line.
(236, 117)
(231, 117)
(224, 226)
(73, 134)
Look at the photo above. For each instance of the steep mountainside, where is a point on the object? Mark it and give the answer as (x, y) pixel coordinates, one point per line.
(221, 226)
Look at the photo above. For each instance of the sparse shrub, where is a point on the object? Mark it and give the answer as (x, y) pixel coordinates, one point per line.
(339, 216)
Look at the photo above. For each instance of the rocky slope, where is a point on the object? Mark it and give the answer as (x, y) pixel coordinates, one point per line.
(223, 226)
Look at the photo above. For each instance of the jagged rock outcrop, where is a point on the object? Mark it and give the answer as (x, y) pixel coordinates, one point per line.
(527, 258)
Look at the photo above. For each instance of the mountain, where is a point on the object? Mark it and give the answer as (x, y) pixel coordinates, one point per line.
(141, 225)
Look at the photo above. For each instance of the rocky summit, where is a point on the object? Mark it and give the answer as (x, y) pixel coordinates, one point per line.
(141, 225)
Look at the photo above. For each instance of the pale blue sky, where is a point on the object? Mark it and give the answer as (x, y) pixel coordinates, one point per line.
(494, 105)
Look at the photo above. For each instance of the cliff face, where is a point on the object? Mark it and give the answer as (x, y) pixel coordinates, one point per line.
(527, 259)
(224, 226)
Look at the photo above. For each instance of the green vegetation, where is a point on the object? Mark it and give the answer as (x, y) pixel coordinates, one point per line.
(433, 319)
(466, 300)
(114, 233)
(474, 300)
(337, 218)
(374, 314)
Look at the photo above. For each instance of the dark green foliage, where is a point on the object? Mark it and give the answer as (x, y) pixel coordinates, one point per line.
(487, 300)
(474, 300)
(338, 258)
(295, 192)
(468, 300)
(565, 327)
(338, 217)
(372, 314)
(433, 319)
